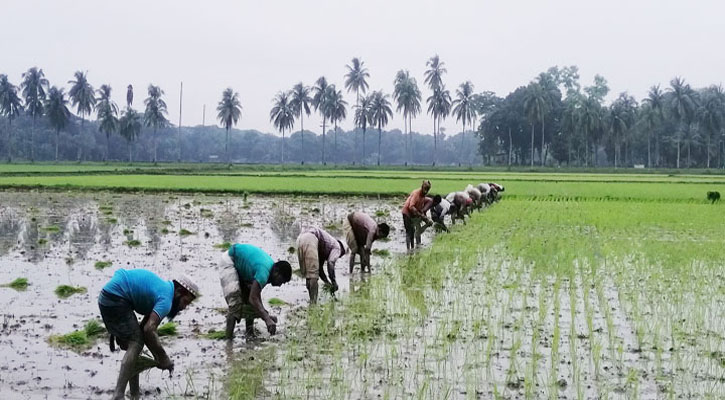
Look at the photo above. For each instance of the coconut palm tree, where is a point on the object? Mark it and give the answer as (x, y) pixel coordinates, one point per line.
(155, 114)
(621, 118)
(434, 73)
(33, 89)
(300, 100)
(656, 99)
(129, 127)
(81, 95)
(682, 105)
(647, 118)
(318, 102)
(710, 114)
(363, 118)
(590, 121)
(356, 78)
(407, 96)
(229, 112)
(535, 107)
(464, 107)
(439, 106)
(58, 113)
(282, 115)
(107, 115)
(336, 109)
(381, 112)
(10, 107)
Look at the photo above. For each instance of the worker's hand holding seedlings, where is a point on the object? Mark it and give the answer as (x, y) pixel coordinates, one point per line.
(316, 246)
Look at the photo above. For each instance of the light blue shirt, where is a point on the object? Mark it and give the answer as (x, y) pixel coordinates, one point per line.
(145, 290)
(252, 263)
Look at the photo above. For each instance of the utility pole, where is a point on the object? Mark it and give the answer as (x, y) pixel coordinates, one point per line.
(181, 95)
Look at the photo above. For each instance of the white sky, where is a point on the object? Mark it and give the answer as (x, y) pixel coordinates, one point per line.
(261, 47)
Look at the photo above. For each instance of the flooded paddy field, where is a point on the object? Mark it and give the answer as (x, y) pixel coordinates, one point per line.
(80, 239)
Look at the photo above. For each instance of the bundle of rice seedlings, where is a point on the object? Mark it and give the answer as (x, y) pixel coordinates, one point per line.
(94, 328)
(65, 291)
(143, 363)
(167, 329)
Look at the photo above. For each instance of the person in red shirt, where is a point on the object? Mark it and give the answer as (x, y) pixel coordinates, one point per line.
(414, 212)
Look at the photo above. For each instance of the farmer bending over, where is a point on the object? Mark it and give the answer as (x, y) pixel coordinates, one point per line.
(314, 247)
(146, 293)
(244, 271)
(414, 212)
(439, 211)
(360, 233)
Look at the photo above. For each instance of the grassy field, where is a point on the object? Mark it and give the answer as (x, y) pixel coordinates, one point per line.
(531, 299)
(569, 186)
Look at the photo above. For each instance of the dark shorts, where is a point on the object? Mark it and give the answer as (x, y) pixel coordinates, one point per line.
(408, 224)
(119, 318)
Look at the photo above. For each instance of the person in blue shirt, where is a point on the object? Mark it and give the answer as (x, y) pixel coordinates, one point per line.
(244, 271)
(141, 291)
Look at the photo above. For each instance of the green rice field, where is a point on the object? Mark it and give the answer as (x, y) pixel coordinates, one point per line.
(575, 285)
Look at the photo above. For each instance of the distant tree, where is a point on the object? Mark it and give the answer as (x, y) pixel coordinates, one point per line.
(381, 112)
(439, 106)
(58, 113)
(356, 78)
(407, 96)
(683, 106)
(300, 100)
(647, 119)
(10, 108)
(711, 114)
(622, 116)
(535, 107)
(282, 115)
(363, 118)
(81, 95)
(656, 99)
(155, 114)
(33, 87)
(590, 120)
(107, 115)
(320, 104)
(464, 108)
(129, 96)
(229, 112)
(336, 109)
(129, 127)
(434, 73)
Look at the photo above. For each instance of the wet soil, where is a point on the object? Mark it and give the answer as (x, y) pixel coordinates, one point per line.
(57, 238)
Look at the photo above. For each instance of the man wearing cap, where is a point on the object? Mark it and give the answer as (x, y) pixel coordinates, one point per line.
(244, 271)
(314, 247)
(414, 212)
(143, 292)
(361, 231)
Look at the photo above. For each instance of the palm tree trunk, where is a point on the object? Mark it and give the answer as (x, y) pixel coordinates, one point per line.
(586, 149)
(32, 141)
(510, 147)
(154, 145)
(10, 140)
(57, 139)
(336, 153)
(108, 146)
(410, 137)
(380, 139)
(129, 152)
(302, 132)
(689, 164)
(463, 134)
(708, 151)
(649, 159)
(226, 147)
(362, 162)
(435, 142)
(678, 153)
(543, 156)
(405, 139)
(282, 146)
(323, 142)
(532, 145)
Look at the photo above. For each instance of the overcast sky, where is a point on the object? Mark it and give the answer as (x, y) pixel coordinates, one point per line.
(261, 47)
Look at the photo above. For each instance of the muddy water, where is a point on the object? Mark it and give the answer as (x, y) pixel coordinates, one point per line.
(56, 238)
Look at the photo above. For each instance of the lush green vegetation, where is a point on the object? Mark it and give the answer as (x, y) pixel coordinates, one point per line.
(81, 339)
(531, 299)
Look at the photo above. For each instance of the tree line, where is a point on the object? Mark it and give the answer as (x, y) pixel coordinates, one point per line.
(551, 121)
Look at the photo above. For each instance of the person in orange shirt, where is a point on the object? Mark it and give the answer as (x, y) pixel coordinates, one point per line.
(414, 211)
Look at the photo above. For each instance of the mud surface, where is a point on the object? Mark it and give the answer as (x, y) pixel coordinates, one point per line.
(55, 238)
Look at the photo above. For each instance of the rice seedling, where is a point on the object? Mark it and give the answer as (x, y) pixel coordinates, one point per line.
(167, 329)
(51, 229)
(132, 243)
(18, 284)
(381, 252)
(102, 264)
(223, 246)
(276, 302)
(81, 339)
(185, 232)
(65, 291)
(215, 335)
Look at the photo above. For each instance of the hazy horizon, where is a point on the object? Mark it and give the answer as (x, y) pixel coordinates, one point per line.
(259, 49)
